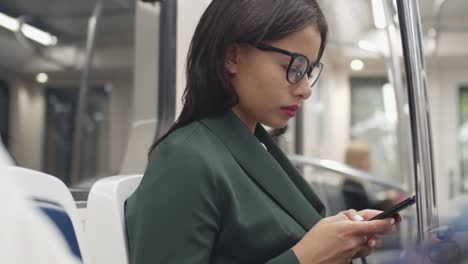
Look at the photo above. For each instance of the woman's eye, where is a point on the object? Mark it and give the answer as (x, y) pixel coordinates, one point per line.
(296, 71)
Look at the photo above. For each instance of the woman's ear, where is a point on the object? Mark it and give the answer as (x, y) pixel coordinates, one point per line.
(232, 58)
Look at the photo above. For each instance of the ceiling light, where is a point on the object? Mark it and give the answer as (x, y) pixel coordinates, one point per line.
(379, 14)
(42, 78)
(9, 22)
(38, 35)
(29, 31)
(357, 65)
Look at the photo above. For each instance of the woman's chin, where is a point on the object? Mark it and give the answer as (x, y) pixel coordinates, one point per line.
(277, 124)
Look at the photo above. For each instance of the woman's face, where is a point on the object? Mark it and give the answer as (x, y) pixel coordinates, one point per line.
(259, 79)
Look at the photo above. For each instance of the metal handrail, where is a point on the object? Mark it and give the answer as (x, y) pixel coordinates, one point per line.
(167, 67)
(395, 75)
(411, 35)
(345, 170)
(438, 14)
(93, 23)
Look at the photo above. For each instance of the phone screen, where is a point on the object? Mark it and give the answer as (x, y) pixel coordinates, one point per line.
(395, 209)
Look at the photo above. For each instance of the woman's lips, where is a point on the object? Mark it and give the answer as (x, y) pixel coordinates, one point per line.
(291, 111)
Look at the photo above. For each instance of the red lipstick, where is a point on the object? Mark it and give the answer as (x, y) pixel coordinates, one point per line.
(291, 110)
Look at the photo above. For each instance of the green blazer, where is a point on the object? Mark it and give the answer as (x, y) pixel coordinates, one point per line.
(213, 194)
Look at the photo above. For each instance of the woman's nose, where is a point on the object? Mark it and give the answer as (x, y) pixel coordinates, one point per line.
(303, 89)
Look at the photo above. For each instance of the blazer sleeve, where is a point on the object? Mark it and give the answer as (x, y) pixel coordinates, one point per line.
(174, 216)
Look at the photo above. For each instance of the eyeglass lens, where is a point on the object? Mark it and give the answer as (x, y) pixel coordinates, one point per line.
(299, 67)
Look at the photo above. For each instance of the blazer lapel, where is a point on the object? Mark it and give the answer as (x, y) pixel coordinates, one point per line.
(271, 171)
(290, 169)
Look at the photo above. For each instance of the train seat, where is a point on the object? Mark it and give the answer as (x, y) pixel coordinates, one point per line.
(50, 195)
(106, 233)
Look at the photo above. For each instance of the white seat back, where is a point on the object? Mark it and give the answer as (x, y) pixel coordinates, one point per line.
(141, 136)
(29, 233)
(105, 227)
(42, 186)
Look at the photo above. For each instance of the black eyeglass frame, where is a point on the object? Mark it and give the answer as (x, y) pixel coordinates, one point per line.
(310, 67)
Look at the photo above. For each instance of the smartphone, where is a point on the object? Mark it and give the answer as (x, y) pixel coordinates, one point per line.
(395, 209)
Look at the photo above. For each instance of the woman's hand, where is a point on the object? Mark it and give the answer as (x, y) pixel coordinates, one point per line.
(340, 238)
(374, 241)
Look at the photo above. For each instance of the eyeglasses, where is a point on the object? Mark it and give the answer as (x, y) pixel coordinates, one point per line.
(298, 67)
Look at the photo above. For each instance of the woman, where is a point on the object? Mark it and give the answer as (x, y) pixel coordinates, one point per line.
(217, 189)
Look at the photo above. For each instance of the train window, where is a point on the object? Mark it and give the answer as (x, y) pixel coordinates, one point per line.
(58, 143)
(374, 121)
(317, 119)
(314, 115)
(304, 134)
(285, 137)
(4, 112)
(41, 80)
(463, 137)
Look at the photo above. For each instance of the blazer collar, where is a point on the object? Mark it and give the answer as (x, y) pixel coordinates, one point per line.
(270, 169)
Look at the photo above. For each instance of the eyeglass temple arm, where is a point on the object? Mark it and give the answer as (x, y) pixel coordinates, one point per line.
(270, 48)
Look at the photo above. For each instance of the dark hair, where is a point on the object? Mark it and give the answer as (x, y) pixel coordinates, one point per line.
(209, 90)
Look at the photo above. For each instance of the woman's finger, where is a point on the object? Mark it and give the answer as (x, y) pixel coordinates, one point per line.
(373, 242)
(378, 243)
(352, 215)
(369, 213)
(397, 218)
(370, 228)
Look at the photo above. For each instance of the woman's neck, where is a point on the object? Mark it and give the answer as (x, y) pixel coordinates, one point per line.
(250, 123)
